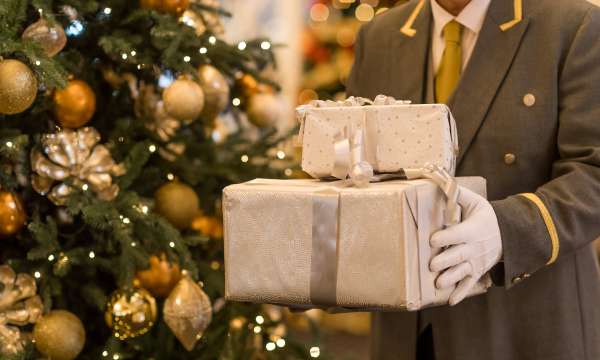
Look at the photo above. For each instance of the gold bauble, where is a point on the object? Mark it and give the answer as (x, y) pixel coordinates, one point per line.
(18, 87)
(160, 278)
(74, 105)
(208, 225)
(264, 110)
(248, 84)
(188, 312)
(216, 91)
(184, 100)
(130, 313)
(51, 37)
(178, 203)
(12, 213)
(60, 335)
(176, 7)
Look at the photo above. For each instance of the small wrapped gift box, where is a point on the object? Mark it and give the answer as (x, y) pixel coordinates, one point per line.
(309, 243)
(397, 135)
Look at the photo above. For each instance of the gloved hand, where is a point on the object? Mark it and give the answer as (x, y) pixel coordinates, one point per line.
(474, 246)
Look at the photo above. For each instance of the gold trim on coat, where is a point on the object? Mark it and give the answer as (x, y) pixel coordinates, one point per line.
(549, 224)
(408, 29)
(518, 16)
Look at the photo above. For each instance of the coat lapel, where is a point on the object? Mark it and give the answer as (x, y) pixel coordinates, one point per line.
(489, 64)
(409, 69)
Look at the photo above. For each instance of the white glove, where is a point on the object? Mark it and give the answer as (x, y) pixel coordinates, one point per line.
(474, 246)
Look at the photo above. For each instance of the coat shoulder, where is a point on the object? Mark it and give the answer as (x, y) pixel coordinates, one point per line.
(564, 13)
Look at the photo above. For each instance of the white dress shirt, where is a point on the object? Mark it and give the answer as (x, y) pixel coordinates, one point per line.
(471, 17)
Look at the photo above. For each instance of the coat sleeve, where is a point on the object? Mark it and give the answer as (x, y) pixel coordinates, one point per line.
(564, 214)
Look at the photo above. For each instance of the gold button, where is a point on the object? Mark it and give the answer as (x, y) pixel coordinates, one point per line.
(529, 100)
(517, 280)
(510, 159)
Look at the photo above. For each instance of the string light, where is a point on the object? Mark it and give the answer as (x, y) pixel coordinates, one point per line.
(280, 155)
(126, 221)
(365, 12)
(260, 320)
(242, 45)
(288, 172)
(107, 11)
(75, 28)
(133, 244)
(9, 144)
(37, 274)
(92, 254)
(105, 353)
(265, 45)
(212, 40)
(144, 209)
(170, 177)
(187, 58)
(172, 244)
(315, 352)
(236, 102)
(281, 343)
(319, 12)
(203, 50)
(85, 187)
(116, 357)
(139, 66)
(270, 346)
(50, 257)
(257, 329)
(38, 63)
(152, 148)
(133, 52)
(245, 158)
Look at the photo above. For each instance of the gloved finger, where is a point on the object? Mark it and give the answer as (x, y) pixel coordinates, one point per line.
(453, 235)
(468, 200)
(453, 275)
(450, 257)
(462, 290)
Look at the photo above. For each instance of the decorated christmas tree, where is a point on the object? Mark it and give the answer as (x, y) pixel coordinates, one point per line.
(120, 123)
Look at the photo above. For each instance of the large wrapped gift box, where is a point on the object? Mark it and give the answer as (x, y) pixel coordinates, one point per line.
(396, 136)
(310, 243)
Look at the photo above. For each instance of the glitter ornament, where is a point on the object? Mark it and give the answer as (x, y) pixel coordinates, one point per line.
(130, 313)
(188, 312)
(184, 100)
(60, 335)
(18, 87)
(178, 203)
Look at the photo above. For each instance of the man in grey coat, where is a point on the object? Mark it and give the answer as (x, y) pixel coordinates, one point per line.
(522, 78)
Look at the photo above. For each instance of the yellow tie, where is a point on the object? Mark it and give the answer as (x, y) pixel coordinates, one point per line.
(451, 66)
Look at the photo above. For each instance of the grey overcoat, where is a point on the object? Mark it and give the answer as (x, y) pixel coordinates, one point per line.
(528, 115)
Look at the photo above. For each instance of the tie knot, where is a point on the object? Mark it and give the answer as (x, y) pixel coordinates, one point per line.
(453, 32)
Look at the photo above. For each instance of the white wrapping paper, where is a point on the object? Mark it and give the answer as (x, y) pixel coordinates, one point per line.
(397, 135)
(381, 254)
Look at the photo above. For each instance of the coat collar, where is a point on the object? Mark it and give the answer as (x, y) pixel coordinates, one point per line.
(497, 45)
